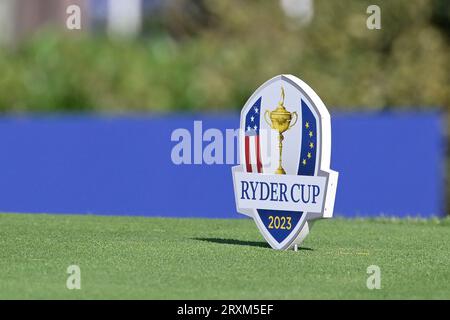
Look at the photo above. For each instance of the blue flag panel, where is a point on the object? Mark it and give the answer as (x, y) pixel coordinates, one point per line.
(388, 163)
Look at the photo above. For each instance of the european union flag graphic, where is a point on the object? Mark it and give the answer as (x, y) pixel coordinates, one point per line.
(307, 163)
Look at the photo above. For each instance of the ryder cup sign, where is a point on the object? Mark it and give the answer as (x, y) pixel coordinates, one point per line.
(284, 181)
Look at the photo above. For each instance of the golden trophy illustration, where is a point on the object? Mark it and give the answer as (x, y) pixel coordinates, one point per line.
(280, 120)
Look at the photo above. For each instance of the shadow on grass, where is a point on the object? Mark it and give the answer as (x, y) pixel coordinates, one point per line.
(242, 243)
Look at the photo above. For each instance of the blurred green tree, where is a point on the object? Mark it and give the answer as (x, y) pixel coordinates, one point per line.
(211, 55)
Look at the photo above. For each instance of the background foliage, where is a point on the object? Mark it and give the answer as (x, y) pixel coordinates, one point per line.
(213, 54)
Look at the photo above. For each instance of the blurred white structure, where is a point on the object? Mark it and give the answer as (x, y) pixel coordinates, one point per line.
(6, 21)
(302, 11)
(124, 17)
(21, 18)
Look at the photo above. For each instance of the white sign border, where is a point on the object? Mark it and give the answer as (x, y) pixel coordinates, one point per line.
(302, 228)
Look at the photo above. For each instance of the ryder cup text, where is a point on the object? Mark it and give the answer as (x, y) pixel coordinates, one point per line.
(280, 192)
(254, 190)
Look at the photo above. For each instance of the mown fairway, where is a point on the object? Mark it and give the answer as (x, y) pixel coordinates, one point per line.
(156, 258)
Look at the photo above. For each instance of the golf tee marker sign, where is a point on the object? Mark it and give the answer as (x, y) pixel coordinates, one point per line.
(284, 181)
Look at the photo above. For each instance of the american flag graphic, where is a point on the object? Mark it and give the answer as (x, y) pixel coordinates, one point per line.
(252, 146)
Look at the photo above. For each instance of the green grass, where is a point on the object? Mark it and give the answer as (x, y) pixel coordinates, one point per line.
(153, 258)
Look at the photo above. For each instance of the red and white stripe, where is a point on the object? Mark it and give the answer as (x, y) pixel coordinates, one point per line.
(253, 154)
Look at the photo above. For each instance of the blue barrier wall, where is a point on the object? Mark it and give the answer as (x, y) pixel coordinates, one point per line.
(389, 164)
